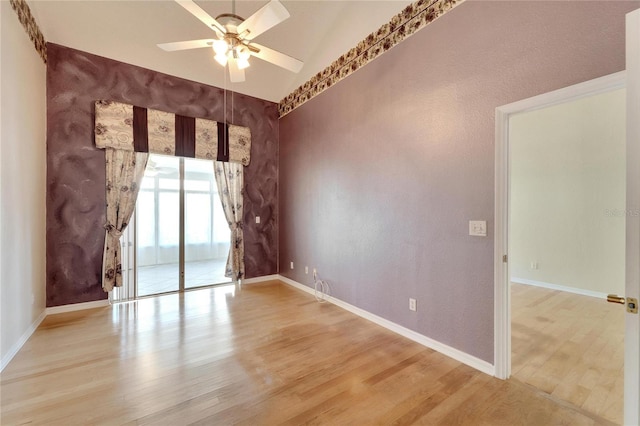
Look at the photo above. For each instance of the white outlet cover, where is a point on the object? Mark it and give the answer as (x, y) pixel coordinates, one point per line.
(257, 219)
(291, 265)
(478, 228)
(413, 305)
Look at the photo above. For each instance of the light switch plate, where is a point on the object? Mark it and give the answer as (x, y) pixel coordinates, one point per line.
(257, 219)
(478, 228)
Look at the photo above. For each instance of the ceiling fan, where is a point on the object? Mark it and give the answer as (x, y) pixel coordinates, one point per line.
(153, 169)
(234, 45)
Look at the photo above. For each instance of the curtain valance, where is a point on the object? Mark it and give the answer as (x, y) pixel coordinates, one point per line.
(131, 128)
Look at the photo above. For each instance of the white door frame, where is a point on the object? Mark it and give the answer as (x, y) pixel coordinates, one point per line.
(502, 296)
(632, 277)
(502, 347)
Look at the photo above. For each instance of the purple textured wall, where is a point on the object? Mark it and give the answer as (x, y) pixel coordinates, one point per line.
(380, 174)
(75, 168)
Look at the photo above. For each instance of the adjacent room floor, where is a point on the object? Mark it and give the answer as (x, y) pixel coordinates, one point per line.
(164, 278)
(569, 346)
(261, 354)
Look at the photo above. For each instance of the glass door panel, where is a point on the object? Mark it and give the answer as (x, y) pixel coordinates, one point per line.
(206, 233)
(158, 227)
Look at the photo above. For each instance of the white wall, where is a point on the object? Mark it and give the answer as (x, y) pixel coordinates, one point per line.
(568, 172)
(22, 185)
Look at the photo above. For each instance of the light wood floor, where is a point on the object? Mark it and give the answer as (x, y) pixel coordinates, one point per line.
(569, 346)
(265, 354)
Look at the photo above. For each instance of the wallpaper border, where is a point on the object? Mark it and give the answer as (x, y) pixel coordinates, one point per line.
(413, 18)
(30, 25)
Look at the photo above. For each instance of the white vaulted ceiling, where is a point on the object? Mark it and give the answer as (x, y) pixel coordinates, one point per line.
(317, 32)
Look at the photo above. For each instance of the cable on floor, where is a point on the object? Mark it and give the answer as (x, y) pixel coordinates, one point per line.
(321, 288)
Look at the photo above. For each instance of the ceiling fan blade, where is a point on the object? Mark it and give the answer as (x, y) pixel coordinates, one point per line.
(203, 16)
(236, 74)
(184, 45)
(277, 58)
(267, 17)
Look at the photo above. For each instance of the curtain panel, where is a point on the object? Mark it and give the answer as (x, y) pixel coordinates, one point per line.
(124, 171)
(230, 181)
(131, 128)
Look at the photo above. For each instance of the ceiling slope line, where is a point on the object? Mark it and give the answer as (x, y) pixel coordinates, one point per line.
(403, 25)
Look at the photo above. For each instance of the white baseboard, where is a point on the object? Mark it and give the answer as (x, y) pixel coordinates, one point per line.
(456, 354)
(23, 339)
(77, 307)
(261, 279)
(550, 286)
(48, 311)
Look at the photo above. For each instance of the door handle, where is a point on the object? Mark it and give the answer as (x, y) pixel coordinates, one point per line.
(632, 303)
(614, 298)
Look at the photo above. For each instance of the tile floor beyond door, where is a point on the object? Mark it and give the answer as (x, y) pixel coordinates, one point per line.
(164, 278)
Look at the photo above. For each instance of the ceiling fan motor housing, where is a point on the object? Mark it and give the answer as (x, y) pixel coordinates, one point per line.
(230, 21)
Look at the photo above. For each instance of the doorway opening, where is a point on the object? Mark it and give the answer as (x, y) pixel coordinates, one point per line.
(557, 220)
(178, 238)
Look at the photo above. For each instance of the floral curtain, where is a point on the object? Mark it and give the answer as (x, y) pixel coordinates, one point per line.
(124, 171)
(229, 178)
(131, 128)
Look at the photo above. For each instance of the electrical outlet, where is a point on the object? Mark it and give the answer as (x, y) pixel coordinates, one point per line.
(306, 270)
(413, 304)
(257, 219)
(534, 265)
(291, 265)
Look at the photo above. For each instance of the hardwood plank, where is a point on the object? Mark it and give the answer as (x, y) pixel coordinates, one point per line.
(261, 354)
(569, 346)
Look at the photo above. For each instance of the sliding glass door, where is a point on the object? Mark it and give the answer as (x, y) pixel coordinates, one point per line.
(206, 233)
(158, 227)
(181, 237)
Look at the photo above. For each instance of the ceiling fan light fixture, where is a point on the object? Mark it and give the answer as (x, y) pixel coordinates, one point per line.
(243, 63)
(220, 47)
(243, 53)
(221, 58)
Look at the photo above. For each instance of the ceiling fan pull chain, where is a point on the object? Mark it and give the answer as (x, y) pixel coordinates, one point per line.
(225, 104)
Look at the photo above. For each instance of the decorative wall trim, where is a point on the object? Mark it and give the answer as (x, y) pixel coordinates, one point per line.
(30, 26)
(23, 339)
(77, 307)
(403, 25)
(558, 287)
(456, 354)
